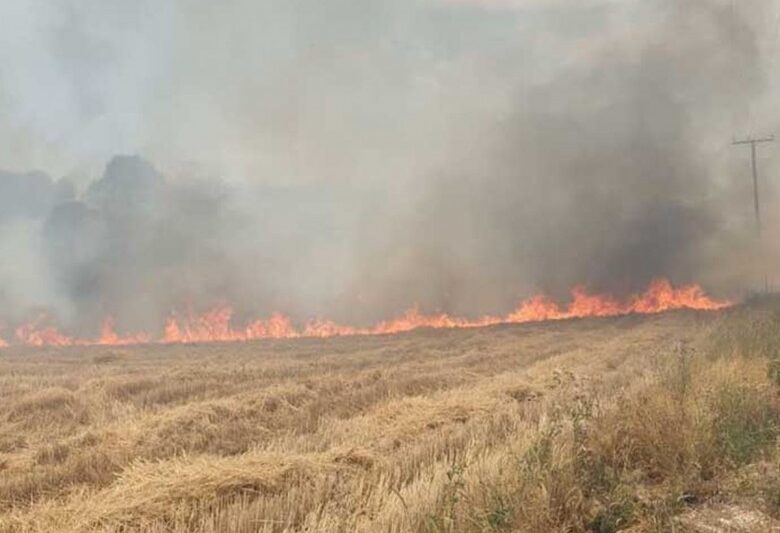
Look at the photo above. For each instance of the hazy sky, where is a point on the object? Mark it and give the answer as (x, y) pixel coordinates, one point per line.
(274, 91)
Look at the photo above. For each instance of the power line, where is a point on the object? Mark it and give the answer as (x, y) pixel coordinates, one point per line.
(756, 203)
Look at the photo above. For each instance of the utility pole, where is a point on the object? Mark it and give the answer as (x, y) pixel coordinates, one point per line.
(756, 205)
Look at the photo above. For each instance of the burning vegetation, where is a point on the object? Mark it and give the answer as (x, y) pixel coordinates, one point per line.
(217, 324)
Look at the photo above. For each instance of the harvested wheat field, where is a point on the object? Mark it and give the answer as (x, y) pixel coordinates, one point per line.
(641, 423)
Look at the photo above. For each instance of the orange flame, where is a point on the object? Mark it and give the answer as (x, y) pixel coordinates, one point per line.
(108, 336)
(36, 334)
(33, 334)
(216, 324)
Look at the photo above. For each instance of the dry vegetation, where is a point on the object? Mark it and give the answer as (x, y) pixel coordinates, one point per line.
(654, 423)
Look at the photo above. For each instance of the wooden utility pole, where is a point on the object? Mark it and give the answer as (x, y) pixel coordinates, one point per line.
(756, 204)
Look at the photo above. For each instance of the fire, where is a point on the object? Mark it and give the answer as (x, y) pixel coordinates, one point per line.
(109, 337)
(36, 334)
(217, 325)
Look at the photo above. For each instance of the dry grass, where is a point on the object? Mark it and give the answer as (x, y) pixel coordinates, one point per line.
(584, 425)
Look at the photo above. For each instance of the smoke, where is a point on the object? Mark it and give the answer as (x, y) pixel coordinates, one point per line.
(607, 172)
(349, 159)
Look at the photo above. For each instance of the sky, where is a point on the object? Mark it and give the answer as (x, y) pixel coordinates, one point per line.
(279, 91)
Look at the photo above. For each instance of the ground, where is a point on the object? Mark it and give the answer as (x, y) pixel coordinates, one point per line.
(638, 423)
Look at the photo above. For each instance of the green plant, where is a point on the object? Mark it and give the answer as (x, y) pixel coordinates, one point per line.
(499, 517)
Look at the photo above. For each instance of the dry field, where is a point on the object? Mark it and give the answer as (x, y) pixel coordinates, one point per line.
(656, 423)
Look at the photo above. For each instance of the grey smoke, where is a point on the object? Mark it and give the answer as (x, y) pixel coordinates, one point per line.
(356, 158)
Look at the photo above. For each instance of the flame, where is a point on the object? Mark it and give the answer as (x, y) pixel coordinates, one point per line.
(109, 337)
(35, 334)
(216, 325)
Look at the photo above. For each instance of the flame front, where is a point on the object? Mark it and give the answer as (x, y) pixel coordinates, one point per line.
(217, 324)
(36, 334)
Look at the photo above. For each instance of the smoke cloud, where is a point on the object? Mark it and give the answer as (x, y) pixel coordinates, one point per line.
(350, 159)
